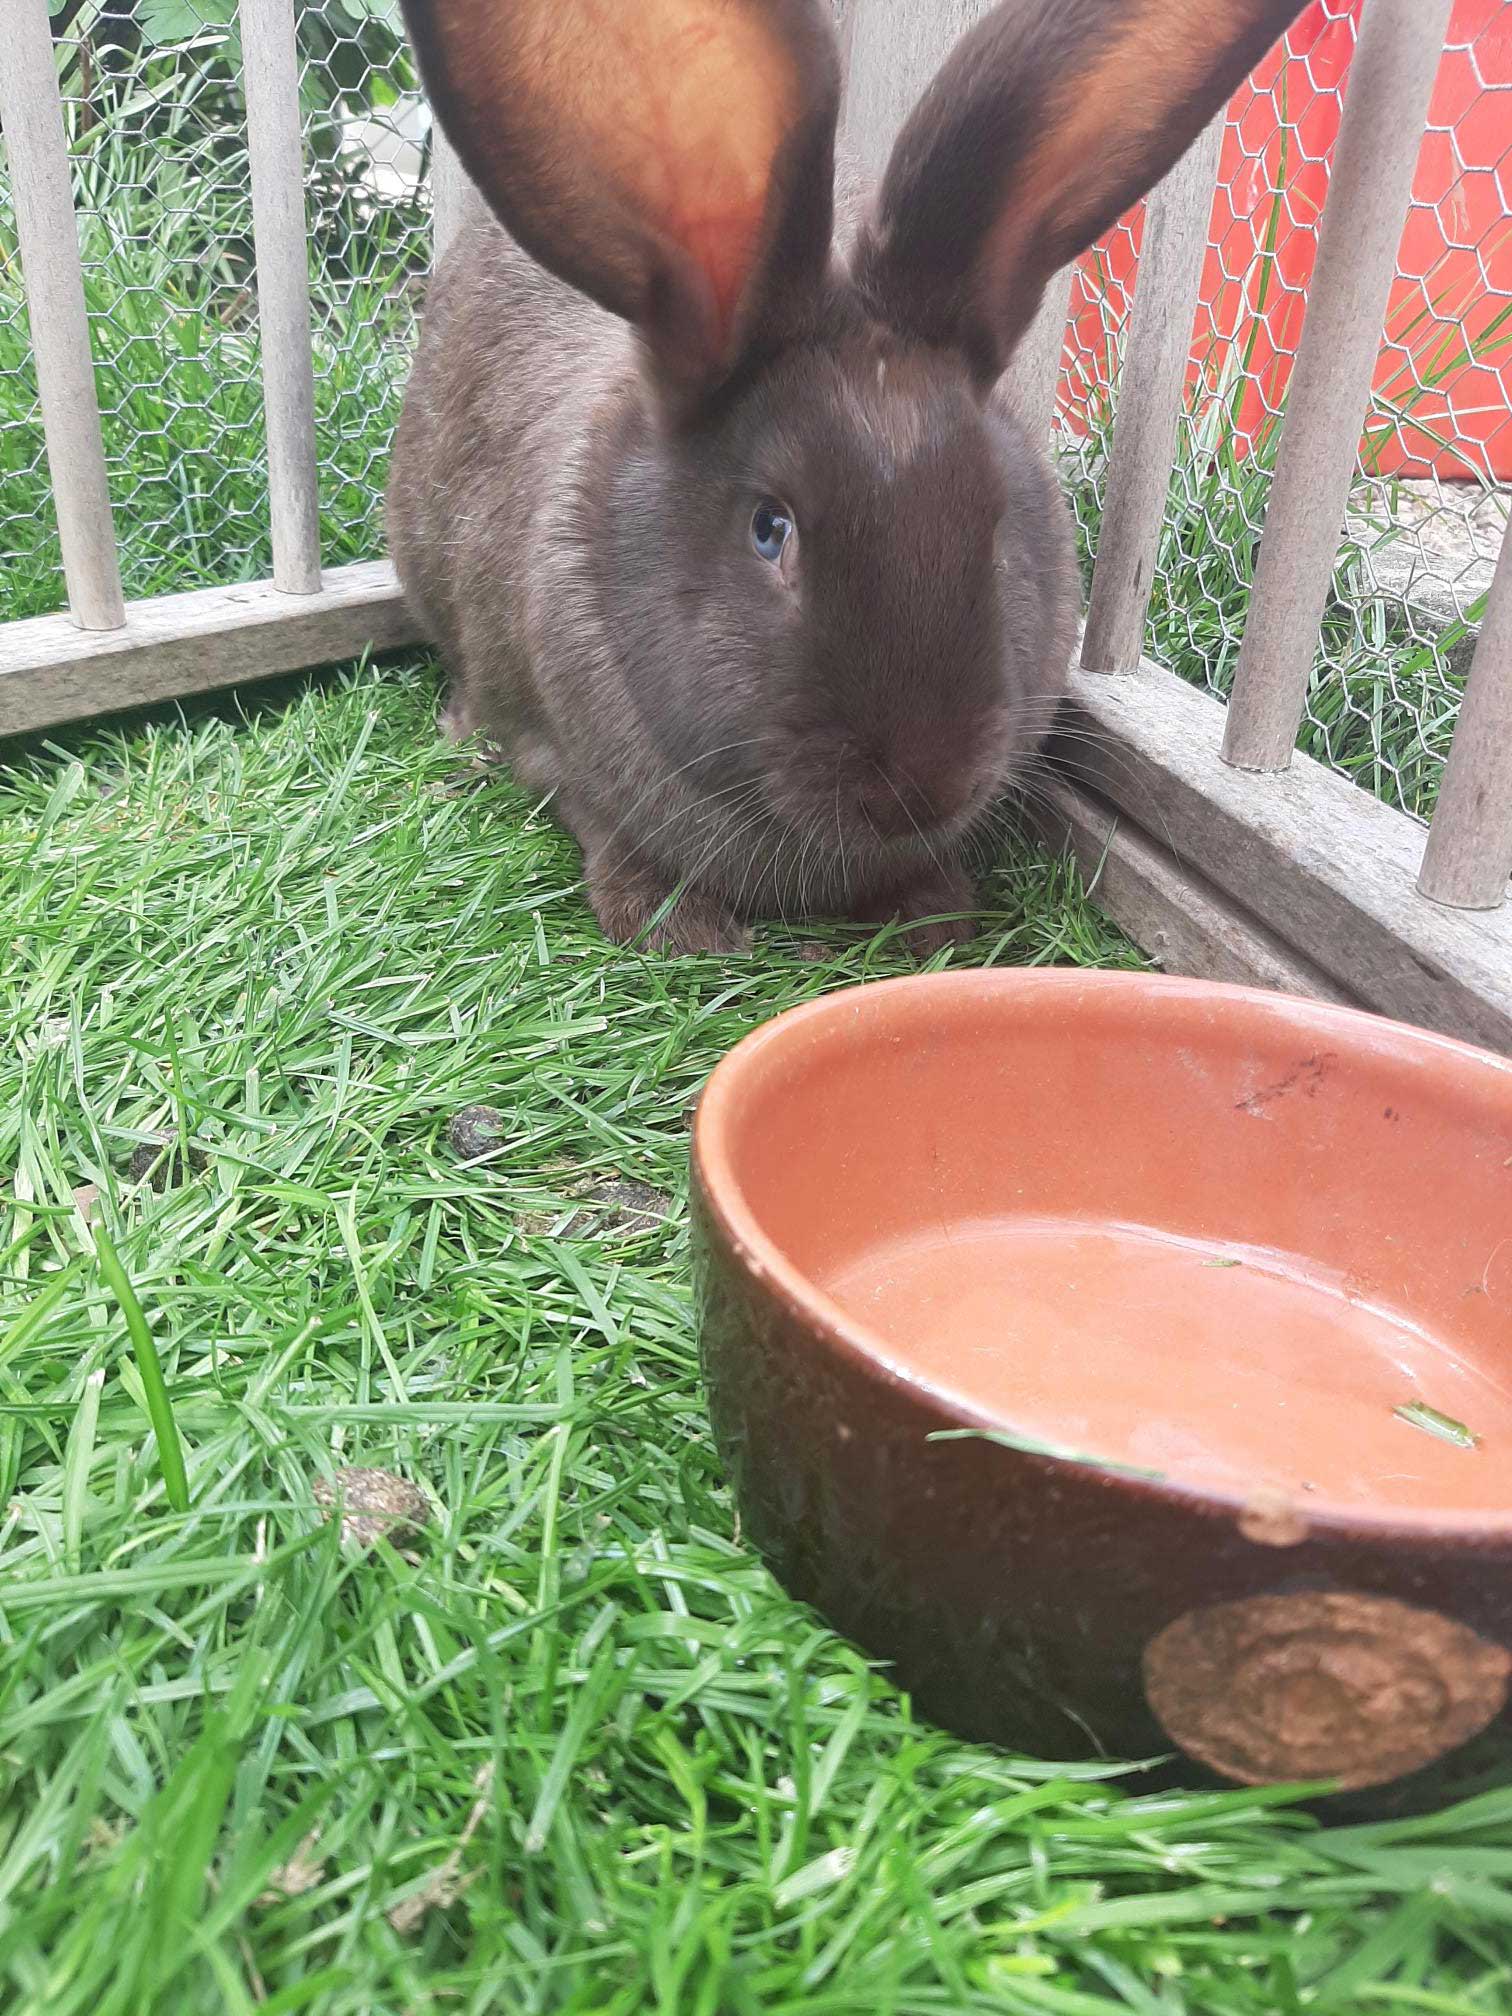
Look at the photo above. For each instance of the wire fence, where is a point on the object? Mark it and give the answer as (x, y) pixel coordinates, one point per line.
(156, 121)
(1431, 500)
(156, 124)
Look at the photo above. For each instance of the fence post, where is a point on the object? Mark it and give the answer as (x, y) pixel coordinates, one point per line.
(1468, 858)
(448, 193)
(275, 145)
(37, 148)
(1152, 385)
(1034, 369)
(892, 48)
(1385, 110)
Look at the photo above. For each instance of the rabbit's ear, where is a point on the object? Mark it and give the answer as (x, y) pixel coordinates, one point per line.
(673, 159)
(1046, 122)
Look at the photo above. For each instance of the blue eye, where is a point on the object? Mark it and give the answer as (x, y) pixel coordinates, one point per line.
(770, 529)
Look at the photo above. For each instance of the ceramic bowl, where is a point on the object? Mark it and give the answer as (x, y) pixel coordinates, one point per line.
(1128, 1361)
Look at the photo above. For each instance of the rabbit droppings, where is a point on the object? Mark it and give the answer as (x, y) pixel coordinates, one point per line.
(709, 506)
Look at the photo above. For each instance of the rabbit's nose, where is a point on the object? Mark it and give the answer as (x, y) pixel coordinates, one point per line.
(920, 775)
(897, 802)
(892, 808)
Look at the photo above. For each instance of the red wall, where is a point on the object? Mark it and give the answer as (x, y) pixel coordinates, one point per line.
(1454, 274)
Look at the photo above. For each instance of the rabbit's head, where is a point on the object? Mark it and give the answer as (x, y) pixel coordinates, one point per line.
(840, 574)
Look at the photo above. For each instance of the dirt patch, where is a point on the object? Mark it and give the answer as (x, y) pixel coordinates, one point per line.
(616, 1207)
(374, 1505)
(474, 1131)
(1305, 1078)
(161, 1162)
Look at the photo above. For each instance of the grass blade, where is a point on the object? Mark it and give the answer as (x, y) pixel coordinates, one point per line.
(77, 1459)
(159, 1406)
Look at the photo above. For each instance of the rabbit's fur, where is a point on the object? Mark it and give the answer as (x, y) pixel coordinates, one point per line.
(572, 493)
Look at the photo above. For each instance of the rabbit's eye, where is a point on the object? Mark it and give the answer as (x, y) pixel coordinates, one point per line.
(771, 528)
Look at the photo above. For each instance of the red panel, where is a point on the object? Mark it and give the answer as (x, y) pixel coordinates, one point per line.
(1444, 381)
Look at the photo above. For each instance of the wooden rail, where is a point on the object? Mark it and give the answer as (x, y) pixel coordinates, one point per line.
(1150, 397)
(1469, 853)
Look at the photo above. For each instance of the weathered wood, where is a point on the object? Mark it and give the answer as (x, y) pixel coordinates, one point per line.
(448, 194)
(1320, 862)
(1034, 369)
(1469, 854)
(275, 147)
(1385, 108)
(892, 49)
(1152, 386)
(176, 645)
(1181, 919)
(37, 154)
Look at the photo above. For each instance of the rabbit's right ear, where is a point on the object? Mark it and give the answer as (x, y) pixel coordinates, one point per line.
(1046, 122)
(673, 159)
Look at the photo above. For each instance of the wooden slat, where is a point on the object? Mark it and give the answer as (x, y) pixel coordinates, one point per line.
(177, 645)
(1034, 369)
(448, 194)
(1181, 919)
(1318, 861)
(276, 158)
(1152, 386)
(893, 49)
(37, 154)
(1386, 105)
(1469, 854)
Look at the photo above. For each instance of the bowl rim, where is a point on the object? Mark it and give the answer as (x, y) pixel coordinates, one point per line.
(721, 1195)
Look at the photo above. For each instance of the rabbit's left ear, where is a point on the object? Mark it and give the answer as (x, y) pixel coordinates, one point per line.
(1046, 122)
(673, 159)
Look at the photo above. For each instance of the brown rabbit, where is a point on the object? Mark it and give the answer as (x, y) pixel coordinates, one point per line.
(715, 522)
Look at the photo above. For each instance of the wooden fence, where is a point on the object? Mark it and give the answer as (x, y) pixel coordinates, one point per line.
(1213, 843)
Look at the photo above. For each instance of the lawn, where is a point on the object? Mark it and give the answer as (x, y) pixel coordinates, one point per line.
(567, 1747)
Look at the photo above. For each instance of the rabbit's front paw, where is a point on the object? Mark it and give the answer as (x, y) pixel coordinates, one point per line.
(935, 911)
(628, 901)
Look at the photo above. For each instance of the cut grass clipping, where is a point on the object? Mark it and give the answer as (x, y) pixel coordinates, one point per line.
(557, 1742)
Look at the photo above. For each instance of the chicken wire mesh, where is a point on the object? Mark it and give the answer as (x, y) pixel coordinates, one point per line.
(156, 124)
(1431, 498)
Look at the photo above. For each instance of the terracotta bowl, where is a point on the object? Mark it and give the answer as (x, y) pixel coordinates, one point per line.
(1129, 1362)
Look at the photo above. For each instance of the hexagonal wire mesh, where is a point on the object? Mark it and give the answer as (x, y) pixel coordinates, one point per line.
(1431, 499)
(155, 113)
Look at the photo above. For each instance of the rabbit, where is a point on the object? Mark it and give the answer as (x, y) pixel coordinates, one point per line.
(725, 536)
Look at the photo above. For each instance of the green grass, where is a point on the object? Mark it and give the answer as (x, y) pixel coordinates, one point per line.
(571, 1749)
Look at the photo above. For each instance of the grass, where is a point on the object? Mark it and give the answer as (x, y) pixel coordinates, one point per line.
(570, 1748)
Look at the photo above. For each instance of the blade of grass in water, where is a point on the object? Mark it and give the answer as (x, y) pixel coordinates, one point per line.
(1429, 1419)
(159, 1406)
(1026, 1445)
